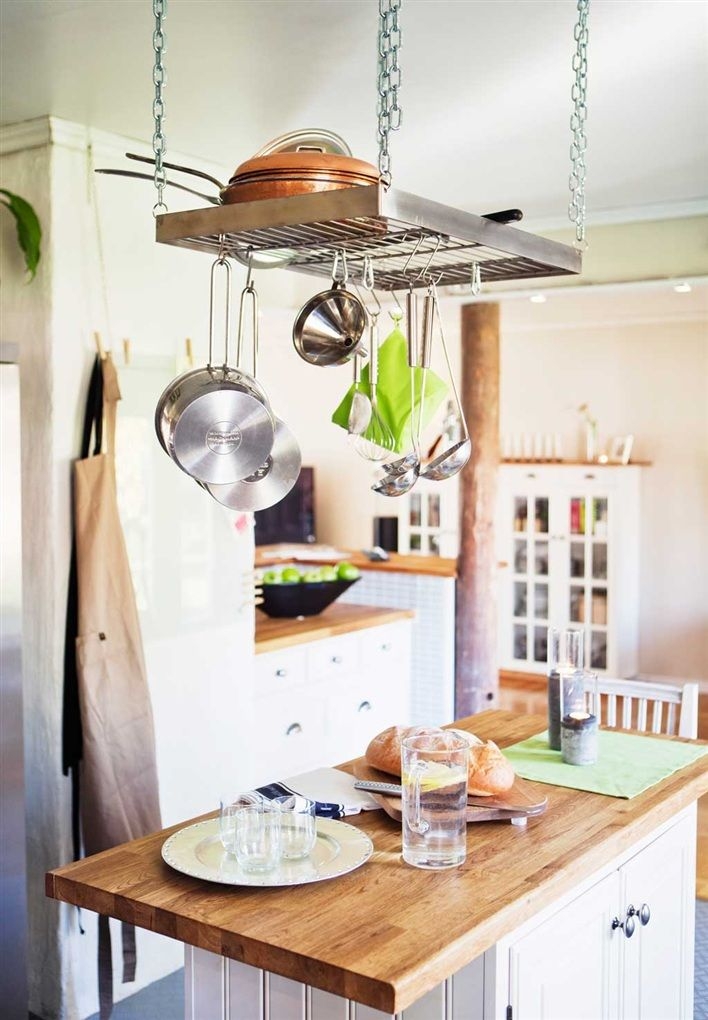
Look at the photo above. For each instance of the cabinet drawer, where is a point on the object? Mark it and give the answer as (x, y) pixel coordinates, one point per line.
(278, 672)
(384, 647)
(290, 736)
(333, 657)
(358, 714)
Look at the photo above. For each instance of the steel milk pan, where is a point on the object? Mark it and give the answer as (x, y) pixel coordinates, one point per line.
(215, 421)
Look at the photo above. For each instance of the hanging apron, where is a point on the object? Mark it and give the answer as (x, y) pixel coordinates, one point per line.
(118, 776)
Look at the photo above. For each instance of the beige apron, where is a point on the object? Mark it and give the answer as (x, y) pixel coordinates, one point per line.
(119, 789)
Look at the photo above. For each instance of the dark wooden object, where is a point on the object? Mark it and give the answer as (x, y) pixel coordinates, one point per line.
(476, 673)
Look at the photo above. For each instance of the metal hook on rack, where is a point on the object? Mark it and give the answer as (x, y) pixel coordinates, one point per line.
(412, 255)
(475, 278)
(340, 255)
(248, 291)
(224, 263)
(422, 274)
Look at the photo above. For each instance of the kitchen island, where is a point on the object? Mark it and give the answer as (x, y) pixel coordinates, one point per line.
(534, 921)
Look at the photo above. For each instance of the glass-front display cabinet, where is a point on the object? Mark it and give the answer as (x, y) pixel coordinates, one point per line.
(568, 544)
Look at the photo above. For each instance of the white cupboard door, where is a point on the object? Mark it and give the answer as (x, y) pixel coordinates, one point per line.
(657, 960)
(566, 968)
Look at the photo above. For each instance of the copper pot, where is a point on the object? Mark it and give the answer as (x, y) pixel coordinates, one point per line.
(296, 164)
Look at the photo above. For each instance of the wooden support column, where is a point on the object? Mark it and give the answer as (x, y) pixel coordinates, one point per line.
(476, 669)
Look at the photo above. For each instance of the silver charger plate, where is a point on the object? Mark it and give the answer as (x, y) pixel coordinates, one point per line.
(197, 851)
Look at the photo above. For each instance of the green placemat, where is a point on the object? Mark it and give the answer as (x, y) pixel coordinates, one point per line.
(627, 763)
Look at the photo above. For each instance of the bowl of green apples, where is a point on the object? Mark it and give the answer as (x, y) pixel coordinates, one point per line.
(292, 592)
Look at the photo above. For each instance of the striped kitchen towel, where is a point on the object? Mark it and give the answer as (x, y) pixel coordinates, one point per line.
(331, 789)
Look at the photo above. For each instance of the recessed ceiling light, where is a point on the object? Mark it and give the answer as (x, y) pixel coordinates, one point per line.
(683, 288)
(537, 299)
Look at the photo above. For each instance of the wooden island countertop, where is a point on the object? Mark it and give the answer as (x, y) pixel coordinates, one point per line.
(386, 933)
(274, 633)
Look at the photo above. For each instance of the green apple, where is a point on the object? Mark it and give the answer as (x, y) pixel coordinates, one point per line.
(312, 577)
(291, 575)
(271, 577)
(328, 573)
(347, 571)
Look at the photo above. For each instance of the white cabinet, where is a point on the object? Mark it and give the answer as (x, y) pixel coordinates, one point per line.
(622, 950)
(320, 703)
(568, 539)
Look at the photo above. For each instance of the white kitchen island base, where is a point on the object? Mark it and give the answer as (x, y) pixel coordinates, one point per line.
(619, 946)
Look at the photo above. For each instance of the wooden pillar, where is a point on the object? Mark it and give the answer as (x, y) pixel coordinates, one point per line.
(476, 669)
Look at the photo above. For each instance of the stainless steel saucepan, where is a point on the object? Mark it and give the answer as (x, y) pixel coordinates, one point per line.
(215, 422)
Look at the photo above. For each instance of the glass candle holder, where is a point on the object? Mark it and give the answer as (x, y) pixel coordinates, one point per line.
(579, 726)
(565, 659)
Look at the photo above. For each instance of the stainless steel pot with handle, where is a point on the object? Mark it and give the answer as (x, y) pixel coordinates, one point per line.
(215, 422)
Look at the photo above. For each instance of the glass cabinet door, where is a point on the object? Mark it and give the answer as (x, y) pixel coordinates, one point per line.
(530, 597)
(587, 571)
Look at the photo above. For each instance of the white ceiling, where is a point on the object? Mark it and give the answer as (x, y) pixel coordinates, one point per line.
(486, 89)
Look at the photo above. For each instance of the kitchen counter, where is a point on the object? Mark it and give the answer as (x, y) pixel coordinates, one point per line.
(386, 934)
(430, 566)
(274, 633)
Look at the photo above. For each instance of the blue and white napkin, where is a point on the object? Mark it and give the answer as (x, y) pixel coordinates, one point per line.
(332, 791)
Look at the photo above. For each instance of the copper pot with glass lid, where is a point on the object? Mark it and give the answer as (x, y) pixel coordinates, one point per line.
(298, 163)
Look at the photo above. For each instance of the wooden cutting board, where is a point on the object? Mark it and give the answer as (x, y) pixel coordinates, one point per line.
(523, 800)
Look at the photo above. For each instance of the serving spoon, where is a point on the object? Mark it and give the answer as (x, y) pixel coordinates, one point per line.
(452, 460)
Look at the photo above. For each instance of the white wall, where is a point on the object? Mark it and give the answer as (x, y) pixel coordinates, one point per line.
(188, 560)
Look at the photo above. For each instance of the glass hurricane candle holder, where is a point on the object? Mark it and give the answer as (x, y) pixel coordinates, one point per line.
(579, 726)
(565, 659)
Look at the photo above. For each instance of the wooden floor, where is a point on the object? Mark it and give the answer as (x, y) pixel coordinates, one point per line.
(527, 694)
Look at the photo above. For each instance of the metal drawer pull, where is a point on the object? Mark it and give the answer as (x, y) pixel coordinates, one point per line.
(627, 925)
(281, 672)
(386, 646)
(365, 706)
(294, 727)
(644, 913)
(336, 659)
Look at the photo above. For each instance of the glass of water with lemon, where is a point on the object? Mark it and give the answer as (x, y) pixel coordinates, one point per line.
(434, 778)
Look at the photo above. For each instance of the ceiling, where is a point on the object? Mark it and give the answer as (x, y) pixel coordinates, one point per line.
(485, 93)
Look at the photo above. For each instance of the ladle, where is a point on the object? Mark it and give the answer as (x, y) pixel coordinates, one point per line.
(401, 475)
(360, 410)
(452, 460)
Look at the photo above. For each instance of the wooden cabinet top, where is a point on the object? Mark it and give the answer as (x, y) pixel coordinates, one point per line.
(386, 933)
(430, 566)
(273, 634)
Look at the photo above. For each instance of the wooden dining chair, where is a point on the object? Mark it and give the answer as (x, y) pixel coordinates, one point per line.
(648, 706)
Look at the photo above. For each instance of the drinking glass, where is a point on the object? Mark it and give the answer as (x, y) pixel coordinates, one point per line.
(565, 661)
(298, 828)
(434, 801)
(257, 836)
(229, 803)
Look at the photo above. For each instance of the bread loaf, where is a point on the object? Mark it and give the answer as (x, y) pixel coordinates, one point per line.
(488, 771)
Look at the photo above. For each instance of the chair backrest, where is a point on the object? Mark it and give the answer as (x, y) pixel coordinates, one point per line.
(648, 707)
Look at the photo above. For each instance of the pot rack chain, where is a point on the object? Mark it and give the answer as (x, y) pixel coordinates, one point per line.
(579, 143)
(389, 82)
(159, 142)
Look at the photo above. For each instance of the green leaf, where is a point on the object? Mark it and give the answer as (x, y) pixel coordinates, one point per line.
(29, 232)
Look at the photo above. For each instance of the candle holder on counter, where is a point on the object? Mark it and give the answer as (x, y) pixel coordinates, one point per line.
(578, 727)
(565, 659)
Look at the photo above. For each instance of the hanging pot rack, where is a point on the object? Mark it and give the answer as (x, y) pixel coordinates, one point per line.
(409, 240)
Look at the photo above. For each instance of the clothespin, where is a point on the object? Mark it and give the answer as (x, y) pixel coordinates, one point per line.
(99, 346)
(189, 352)
(126, 351)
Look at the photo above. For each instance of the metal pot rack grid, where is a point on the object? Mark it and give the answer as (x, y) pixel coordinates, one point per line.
(409, 240)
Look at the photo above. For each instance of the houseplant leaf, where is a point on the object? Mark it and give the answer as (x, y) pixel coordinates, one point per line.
(29, 231)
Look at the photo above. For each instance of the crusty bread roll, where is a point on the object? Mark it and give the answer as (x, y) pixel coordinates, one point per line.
(488, 771)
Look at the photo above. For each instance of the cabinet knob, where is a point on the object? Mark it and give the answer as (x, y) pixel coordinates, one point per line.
(627, 925)
(365, 706)
(386, 646)
(644, 913)
(281, 672)
(336, 659)
(293, 728)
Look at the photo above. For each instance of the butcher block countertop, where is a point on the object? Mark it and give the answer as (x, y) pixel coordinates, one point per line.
(274, 633)
(386, 933)
(430, 566)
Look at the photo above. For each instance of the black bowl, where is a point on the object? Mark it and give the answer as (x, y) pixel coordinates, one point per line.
(303, 599)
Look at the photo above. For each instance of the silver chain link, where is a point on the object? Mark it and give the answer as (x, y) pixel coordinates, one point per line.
(159, 142)
(579, 143)
(389, 83)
